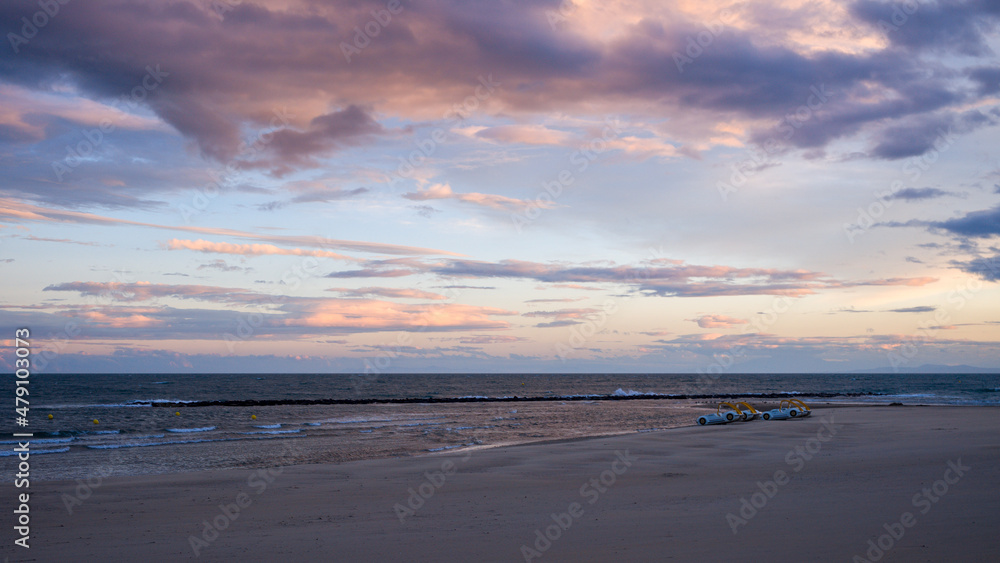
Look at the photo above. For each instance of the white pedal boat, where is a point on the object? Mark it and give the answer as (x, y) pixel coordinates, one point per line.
(749, 413)
(803, 409)
(720, 417)
(787, 409)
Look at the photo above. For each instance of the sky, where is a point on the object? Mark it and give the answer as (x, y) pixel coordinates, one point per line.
(506, 186)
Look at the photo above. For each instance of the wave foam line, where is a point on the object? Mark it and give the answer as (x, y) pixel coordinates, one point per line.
(174, 442)
(184, 430)
(35, 452)
(625, 396)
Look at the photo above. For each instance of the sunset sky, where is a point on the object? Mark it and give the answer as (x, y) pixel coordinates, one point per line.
(506, 186)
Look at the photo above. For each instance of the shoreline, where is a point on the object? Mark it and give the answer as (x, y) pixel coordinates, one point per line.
(485, 504)
(356, 442)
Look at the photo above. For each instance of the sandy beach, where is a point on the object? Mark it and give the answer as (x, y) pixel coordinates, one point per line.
(919, 482)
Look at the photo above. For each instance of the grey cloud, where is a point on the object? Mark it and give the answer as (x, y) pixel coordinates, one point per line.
(920, 309)
(316, 196)
(947, 27)
(915, 194)
(555, 324)
(685, 280)
(983, 223)
(918, 135)
(987, 267)
(988, 79)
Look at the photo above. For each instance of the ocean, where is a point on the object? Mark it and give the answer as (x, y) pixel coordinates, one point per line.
(125, 424)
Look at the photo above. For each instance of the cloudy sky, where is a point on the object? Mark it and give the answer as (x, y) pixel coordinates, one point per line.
(297, 185)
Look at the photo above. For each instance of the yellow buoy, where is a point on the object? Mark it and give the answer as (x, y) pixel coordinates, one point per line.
(96, 421)
(51, 417)
(253, 417)
(178, 413)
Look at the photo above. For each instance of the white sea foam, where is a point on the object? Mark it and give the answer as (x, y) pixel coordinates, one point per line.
(630, 393)
(35, 452)
(146, 444)
(39, 441)
(136, 403)
(203, 429)
(174, 442)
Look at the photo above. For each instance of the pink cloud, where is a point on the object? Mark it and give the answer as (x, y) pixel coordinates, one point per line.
(383, 315)
(576, 286)
(497, 202)
(121, 318)
(525, 134)
(718, 321)
(250, 249)
(31, 115)
(276, 314)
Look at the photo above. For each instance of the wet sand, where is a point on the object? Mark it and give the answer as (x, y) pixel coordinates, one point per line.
(815, 489)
